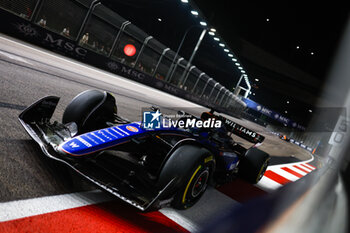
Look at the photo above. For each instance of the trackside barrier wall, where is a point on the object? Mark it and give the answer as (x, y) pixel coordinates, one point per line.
(88, 31)
(311, 141)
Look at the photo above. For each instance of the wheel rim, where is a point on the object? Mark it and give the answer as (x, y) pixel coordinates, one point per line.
(200, 183)
(262, 172)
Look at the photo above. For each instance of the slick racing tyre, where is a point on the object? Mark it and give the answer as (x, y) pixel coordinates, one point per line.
(253, 166)
(90, 110)
(194, 167)
(194, 188)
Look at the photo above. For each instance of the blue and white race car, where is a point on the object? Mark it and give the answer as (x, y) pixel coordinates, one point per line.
(145, 167)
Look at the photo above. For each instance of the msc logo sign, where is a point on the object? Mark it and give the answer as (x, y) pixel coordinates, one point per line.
(151, 120)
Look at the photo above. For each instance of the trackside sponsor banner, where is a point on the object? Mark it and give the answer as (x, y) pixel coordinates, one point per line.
(272, 114)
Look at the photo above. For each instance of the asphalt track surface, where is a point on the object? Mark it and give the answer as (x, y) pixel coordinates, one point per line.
(27, 74)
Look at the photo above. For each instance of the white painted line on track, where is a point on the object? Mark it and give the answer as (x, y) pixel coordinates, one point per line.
(311, 168)
(308, 169)
(190, 219)
(42, 205)
(212, 204)
(179, 219)
(285, 174)
(268, 185)
(14, 57)
(291, 164)
(298, 170)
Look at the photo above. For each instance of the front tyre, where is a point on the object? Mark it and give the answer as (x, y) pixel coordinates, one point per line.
(192, 167)
(90, 110)
(195, 183)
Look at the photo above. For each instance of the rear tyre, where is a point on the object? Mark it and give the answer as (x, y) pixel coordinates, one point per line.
(253, 166)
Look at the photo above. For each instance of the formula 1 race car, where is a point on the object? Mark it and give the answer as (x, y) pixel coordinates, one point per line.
(155, 167)
(284, 137)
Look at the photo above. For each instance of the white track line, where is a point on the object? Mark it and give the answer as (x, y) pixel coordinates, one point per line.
(14, 57)
(42, 205)
(296, 163)
(212, 204)
(190, 219)
(268, 185)
(285, 174)
(311, 168)
(306, 168)
(298, 170)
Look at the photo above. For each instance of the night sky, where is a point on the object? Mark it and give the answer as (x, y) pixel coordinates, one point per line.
(279, 27)
(304, 35)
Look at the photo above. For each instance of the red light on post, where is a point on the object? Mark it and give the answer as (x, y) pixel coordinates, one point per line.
(129, 50)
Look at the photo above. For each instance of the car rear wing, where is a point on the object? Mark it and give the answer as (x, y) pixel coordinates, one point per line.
(242, 131)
